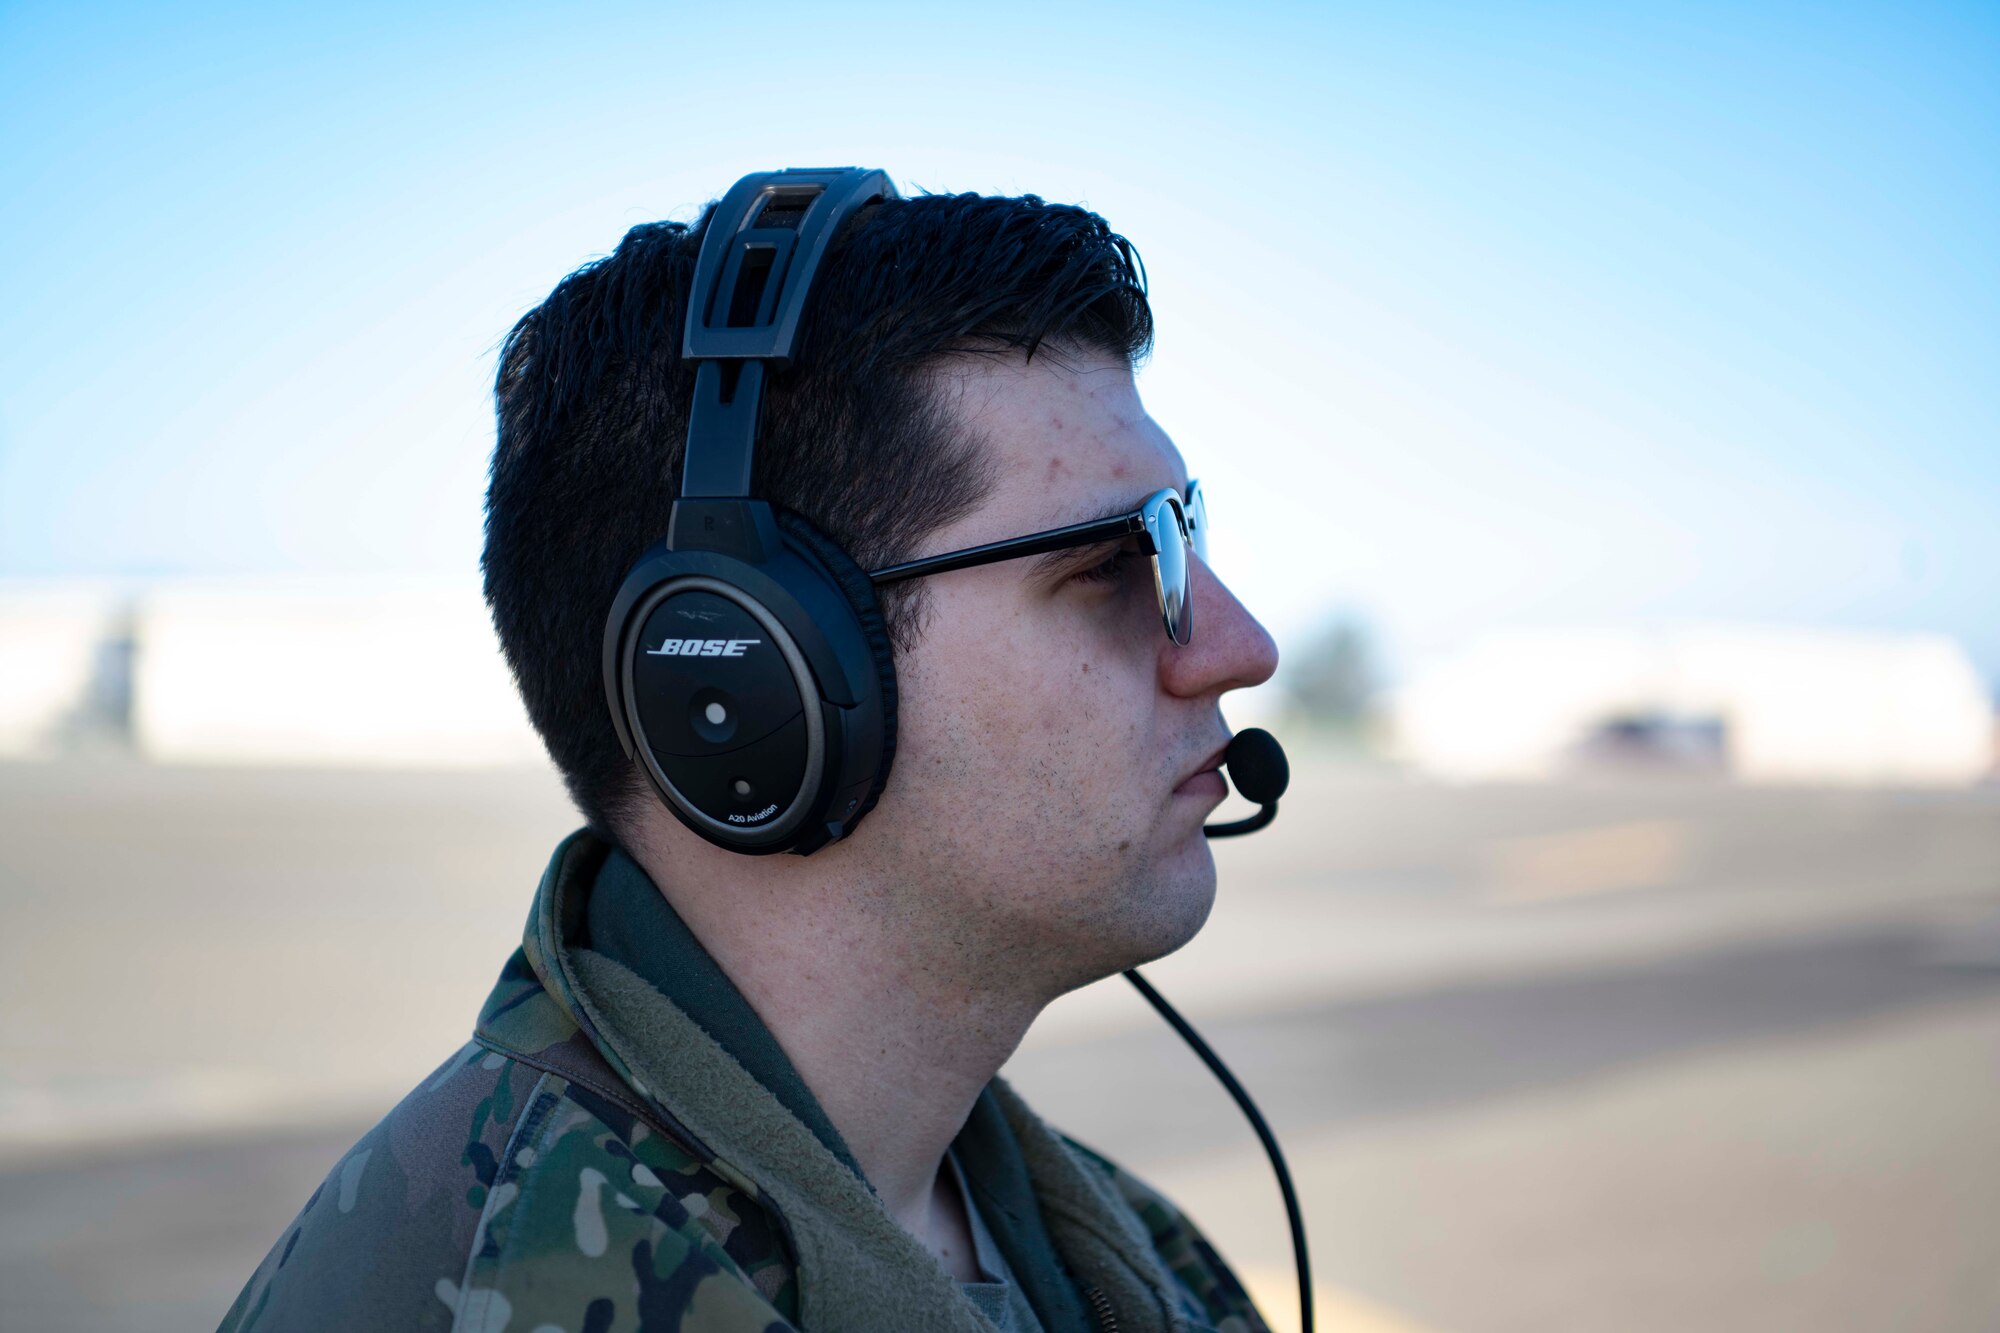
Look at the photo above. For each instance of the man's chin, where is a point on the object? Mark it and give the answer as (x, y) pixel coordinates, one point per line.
(1175, 911)
(1147, 915)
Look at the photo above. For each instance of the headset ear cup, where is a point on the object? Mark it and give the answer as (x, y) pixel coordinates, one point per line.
(859, 590)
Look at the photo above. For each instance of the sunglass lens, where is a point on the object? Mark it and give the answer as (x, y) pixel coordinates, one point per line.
(1170, 567)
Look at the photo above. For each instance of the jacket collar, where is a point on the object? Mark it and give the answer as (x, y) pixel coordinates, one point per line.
(628, 920)
(857, 1268)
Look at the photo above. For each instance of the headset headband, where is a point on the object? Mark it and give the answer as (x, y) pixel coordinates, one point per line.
(758, 258)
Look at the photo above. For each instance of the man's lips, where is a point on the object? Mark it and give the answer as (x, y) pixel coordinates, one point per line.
(1207, 780)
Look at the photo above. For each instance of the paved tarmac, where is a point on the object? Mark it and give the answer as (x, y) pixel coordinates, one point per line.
(1627, 1055)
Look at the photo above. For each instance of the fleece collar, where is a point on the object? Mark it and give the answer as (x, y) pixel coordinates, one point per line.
(629, 921)
(857, 1267)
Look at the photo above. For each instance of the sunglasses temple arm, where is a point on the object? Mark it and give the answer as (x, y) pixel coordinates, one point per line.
(1038, 543)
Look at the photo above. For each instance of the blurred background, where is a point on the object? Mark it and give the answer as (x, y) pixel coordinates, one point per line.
(1597, 402)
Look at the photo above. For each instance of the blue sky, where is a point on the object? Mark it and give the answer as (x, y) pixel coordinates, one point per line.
(1470, 316)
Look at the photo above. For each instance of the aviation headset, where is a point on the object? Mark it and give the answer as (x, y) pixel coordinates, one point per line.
(746, 663)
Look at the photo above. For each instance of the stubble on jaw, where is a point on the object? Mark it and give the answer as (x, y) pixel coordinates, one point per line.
(1032, 903)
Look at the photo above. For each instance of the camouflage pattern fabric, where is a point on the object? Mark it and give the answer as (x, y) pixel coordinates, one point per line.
(504, 1196)
(529, 1185)
(1211, 1293)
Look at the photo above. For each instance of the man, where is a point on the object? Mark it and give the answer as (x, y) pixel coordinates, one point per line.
(719, 1092)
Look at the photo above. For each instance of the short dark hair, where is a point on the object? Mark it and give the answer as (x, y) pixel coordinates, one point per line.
(592, 399)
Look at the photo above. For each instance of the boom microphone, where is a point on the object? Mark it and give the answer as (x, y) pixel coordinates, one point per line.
(1256, 766)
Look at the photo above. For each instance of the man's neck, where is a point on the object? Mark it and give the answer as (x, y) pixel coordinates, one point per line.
(895, 1046)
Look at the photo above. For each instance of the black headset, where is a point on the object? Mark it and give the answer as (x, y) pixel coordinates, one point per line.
(746, 663)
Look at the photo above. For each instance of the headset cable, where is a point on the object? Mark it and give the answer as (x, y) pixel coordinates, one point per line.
(1264, 1136)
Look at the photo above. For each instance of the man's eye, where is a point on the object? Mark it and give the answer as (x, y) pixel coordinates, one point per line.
(1109, 570)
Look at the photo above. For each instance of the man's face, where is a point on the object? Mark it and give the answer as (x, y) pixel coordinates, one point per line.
(1044, 813)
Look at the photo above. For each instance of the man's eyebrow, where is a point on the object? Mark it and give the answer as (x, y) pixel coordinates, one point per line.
(1091, 511)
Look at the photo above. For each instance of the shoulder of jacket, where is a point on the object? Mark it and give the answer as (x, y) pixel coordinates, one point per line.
(607, 1222)
(503, 1195)
(1216, 1293)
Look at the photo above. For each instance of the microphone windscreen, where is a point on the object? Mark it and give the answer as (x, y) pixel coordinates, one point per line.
(1256, 764)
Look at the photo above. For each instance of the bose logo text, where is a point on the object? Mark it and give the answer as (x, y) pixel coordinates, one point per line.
(702, 647)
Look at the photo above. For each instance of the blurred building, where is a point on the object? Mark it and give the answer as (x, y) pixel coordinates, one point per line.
(65, 667)
(311, 673)
(1758, 704)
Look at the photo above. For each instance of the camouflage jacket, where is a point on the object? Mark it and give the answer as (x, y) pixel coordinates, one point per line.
(593, 1162)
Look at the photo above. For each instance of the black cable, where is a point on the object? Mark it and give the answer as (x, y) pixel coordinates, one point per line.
(1241, 826)
(1264, 1136)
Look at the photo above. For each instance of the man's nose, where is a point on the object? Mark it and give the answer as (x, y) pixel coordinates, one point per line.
(1229, 650)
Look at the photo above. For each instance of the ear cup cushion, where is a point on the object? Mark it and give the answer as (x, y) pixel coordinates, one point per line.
(855, 585)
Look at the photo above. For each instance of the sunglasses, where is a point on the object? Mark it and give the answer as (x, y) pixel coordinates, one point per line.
(1168, 524)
